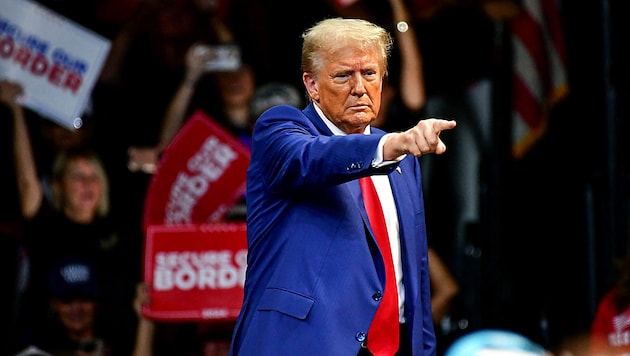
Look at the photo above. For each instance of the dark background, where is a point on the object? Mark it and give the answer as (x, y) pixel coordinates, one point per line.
(552, 222)
(555, 220)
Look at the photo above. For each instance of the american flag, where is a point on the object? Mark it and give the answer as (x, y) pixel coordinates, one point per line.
(539, 69)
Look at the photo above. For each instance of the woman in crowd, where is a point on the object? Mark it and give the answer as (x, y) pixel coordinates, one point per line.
(75, 221)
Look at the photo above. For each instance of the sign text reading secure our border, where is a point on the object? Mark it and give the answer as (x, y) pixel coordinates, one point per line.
(56, 60)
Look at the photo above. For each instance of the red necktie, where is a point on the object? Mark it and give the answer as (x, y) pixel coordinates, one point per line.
(383, 336)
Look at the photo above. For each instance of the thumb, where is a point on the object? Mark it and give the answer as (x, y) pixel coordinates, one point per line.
(441, 148)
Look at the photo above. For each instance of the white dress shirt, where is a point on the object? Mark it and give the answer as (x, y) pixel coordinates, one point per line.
(384, 191)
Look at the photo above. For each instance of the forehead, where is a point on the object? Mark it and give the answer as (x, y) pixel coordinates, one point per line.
(80, 163)
(353, 56)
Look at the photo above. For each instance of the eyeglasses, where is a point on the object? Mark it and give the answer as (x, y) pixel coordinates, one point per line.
(86, 178)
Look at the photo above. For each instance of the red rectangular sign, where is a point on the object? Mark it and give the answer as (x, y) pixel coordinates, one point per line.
(195, 272)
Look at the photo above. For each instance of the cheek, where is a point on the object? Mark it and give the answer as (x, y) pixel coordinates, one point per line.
(335, 95)
(68, 188)
(375, 96)
(88, 307)
(97, 187)
(376, 102)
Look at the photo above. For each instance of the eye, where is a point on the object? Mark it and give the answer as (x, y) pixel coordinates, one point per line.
(370, 74)
(341, 77)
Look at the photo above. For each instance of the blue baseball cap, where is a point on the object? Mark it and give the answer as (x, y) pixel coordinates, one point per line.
(73, 278)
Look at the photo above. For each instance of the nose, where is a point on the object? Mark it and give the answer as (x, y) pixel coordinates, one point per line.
(358, 88)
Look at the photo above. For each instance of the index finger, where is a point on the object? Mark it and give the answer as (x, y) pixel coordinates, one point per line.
(444, 124)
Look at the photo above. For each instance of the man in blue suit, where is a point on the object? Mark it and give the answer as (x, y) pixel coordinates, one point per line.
(315, 274)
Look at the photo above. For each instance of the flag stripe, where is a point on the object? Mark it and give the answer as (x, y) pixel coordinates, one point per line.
(539, 66)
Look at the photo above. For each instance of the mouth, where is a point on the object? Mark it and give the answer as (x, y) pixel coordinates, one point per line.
(359, 107)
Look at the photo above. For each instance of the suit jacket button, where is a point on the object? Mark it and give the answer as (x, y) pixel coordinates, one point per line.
(360, 336)
(377, 296)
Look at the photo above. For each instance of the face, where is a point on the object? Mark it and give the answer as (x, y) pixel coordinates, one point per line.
(348, 88)
(236, 87)
(82, 185)
(76, 315)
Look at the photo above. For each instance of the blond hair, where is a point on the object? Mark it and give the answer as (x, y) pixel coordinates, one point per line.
(331, 35)
(60, 167)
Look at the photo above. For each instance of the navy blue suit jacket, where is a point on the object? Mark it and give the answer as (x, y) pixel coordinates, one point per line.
(313, 262)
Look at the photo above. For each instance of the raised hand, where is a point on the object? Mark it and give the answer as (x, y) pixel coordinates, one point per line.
(424, 138)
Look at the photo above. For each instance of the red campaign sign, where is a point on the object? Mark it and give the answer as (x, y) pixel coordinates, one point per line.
(195, 272)
(200, 177)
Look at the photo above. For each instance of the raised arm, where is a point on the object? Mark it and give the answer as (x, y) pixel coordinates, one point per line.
(29, 187)
(178, 106)
(147, 158)
(195, 59)
(412, 89)
(145, 334)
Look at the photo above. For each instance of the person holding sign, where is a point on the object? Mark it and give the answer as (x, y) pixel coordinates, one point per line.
(76, 221)
(325, 273)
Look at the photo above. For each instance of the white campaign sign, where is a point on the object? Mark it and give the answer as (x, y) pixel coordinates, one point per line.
(56, 60)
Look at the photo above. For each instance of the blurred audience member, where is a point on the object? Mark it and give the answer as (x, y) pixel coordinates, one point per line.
(225, 97)
(47, 137)
(272, 94)
(143, 70)
(228, 96)
(76, 221)
(13, 266)
(146, 158)
(72, 325)
(240, 104)
(235, 89)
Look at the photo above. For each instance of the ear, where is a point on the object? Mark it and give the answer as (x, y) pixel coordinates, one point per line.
(310, 83)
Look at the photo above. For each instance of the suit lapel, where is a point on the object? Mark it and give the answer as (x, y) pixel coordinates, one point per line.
(354, 189)
(317, 121)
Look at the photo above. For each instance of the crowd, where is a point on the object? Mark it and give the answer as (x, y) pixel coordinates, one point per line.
(71, 223)
(74, 235)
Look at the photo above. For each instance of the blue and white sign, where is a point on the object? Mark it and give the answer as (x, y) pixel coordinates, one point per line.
(56, 60)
